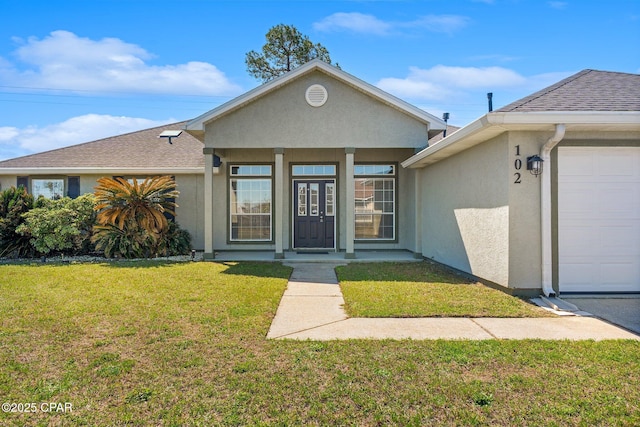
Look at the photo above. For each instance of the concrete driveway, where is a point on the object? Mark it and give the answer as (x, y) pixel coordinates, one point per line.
(620, 310)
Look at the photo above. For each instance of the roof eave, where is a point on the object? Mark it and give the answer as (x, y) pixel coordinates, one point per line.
(493, 124)
(99, 170)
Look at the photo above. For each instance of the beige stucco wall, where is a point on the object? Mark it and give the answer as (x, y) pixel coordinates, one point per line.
(189, 213)
(465, 211)
(477, 218)
(7, 181)
(283, 118)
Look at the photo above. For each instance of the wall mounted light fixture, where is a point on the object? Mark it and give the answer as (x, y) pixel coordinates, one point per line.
(534, 165)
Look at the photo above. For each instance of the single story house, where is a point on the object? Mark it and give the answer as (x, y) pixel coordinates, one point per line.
(319, 160)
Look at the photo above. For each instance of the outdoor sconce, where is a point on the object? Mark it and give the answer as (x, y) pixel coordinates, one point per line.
(534, 165)
(217, 163)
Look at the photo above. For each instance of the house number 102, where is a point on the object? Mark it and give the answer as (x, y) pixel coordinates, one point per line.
(518, 165)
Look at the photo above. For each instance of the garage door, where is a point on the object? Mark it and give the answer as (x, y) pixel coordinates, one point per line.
(599, 219)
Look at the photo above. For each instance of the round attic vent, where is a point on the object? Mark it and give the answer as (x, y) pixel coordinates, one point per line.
(316, 95)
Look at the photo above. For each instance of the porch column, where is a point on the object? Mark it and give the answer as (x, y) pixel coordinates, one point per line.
(350, 197)
(278, 206)
(208, 204)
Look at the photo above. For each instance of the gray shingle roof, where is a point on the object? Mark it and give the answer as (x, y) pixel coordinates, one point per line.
(588, 90)
(141, 149)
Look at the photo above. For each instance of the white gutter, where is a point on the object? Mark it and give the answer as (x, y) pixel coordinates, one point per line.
(545, 210)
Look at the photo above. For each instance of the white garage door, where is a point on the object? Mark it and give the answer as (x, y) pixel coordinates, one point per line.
(599, 219)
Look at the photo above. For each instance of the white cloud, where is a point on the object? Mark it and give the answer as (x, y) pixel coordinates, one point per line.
(369, 24)
(89, 127)
(356, 22)
(461, 91)
(440, 81)
(62, 60)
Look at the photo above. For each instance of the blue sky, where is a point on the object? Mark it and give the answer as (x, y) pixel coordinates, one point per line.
(76, 71)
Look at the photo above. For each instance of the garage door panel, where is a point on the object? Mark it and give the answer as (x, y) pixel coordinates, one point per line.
(617, 274)
(599, 219)
(615, 241)
(580, 164)
(574, 276)
(616, 164)
(577, 240)
(577, 202)
(617, 202)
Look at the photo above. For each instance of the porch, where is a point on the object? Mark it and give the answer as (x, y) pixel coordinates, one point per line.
(308, 257)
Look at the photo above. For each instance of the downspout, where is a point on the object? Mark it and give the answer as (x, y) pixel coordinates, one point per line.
(545, 211)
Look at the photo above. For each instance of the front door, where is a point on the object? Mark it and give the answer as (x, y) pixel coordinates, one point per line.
(314, 208)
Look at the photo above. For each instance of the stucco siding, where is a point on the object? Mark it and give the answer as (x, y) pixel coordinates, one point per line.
(465, 211)
(7, 181)
(284, 119)
(190, 210)
(525, 252)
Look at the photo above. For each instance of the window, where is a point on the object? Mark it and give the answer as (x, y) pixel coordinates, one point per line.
(314, 170)
(375, 202)
(48, 188)
(250, 201)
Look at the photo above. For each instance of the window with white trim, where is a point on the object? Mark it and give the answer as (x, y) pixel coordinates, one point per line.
(375, 202)
(250, 202)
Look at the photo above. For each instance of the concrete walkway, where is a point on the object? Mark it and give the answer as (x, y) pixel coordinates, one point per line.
(312, 308)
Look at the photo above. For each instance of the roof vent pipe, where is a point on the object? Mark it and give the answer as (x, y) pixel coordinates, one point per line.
(545, 210)
(445, 117)
(490, 98)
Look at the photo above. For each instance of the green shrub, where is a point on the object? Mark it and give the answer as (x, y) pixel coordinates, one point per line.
(175, 241)
(62, 225)
(131, 241)
(14, 202)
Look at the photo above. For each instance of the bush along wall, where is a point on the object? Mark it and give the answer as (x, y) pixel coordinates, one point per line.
(132, 218)
(14, 202)
(121, 219)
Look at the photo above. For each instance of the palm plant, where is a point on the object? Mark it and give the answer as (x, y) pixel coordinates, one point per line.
(133, 211)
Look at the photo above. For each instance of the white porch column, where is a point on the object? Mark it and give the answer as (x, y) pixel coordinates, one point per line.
(208, 204)
(350, 198)
(278, 206)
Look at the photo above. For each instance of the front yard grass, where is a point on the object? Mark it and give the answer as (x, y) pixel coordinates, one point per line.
(184, 345)
(423, 289)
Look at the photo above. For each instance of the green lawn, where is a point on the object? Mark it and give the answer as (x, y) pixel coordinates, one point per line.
(423, 289)
(184, 344)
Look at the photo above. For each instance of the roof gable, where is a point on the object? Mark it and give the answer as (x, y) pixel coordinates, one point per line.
(196, 126)
(136, 150)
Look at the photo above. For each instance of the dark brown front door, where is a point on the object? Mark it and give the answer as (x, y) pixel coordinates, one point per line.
(314, 206)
